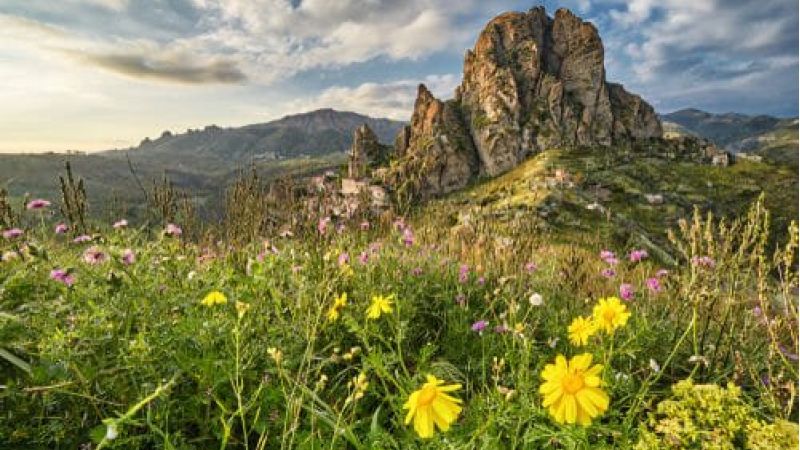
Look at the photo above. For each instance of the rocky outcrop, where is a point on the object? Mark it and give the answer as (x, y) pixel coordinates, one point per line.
(531, 82)
(435, 151)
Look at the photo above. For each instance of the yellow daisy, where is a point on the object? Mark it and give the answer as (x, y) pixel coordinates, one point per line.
(333, 314)
(571, 390)
(431, 405)
(580, 330)
(214, 298)
(380, 305)
(340, 301)
(610, 314)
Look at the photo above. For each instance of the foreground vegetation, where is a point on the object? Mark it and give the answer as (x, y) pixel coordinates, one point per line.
(456, 327)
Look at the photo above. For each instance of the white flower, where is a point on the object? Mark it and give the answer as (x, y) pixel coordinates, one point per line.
(552, 342)
(654, 365)
(536, 299)
(190, 276)
(111, 432)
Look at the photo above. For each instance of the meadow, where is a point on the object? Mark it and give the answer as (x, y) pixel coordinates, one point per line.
(395, 332)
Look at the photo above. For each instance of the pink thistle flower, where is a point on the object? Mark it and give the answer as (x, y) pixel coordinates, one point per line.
(530, 267)
(62, 276)
(173, 230)
(94, 255)
(39, 203)
(626, 292)
(416, 271)
(481, 281)
(322, 225)
(363, 258)
(479, 326)
(638, 255)
(61, 228)
(608, 273)
(654, 285)
(82, 238)
(607, 254)
(463, 273)
(122, 223)
(408, 237)
(128, 257)
(13, 233)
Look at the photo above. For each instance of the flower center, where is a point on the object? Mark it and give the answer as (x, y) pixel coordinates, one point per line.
(427, 396)
(609, 315)
(572, 383)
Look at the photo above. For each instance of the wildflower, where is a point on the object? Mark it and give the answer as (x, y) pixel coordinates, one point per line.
(242, 308)
(275, 354)
(408, 237)
(82, 238)
(500, 329)
(359, 384)
(571, 390)
(536, 299)
(637, 255)
(461, 300)
(463, 273)
(61, 228)
(580, 330)
(128, 257)
(704, 261)
(626, 292)
(609, 314)
(173, 230)
(322, 225)
(479, 326)
(364, 226)
(609, 257)
(12, 233)
(338, 303)
(363, 258)
(654, 365)
(9, 255)
(530, 267)
(111, 431)
(344, 258)
(380, 305)
(552, 342)
(416, 271)
(62, 276)
(432, 405)
(519, 329)
(654, 285)
(94, 255)
(39, 203)
(481, 281)
(660, 273)
(122, 223)
(214, 298)
(608, 273)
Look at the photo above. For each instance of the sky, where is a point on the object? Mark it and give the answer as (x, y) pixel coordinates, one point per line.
(101, 74)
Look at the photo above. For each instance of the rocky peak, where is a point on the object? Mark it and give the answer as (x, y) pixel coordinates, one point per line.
(531, 82)
(365, 149)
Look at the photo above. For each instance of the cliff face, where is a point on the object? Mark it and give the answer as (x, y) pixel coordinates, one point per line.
(531, 82)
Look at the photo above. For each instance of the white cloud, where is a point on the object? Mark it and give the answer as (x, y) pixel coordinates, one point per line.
(394, 100)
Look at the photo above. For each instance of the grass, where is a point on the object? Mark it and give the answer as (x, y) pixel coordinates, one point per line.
(129, 356)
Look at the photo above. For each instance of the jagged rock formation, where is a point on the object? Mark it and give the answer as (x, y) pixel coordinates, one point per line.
(531, 82)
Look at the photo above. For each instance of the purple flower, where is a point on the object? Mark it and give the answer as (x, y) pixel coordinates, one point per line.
(530, 267)
(787, 353)
(607, 254)
(704, 261)
(173, 230)
(481, 281)
(638, 255)
(654, 285)
(82, 238)
(62, 276)
(479, 326)
(39, 203)
(500, 329)
(408, 237)
(12, 233)
(416, 271)
(61, 228)
(757, 311)
(661, 273)
(128, 257)
(364, 226)
(94, 255)
(461, 299)
(363, 258)
(626, 292)
(122, 223)
(608, 273)
(463, 273)
(344, 258)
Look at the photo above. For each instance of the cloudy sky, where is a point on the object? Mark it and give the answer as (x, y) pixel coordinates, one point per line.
(99, 74)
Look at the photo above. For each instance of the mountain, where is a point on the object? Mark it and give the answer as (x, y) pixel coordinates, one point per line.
(531, 82)
(736, 132)
(202, 161)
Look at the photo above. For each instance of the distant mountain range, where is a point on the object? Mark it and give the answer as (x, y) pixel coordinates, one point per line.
(202, 161)
(772, 137)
